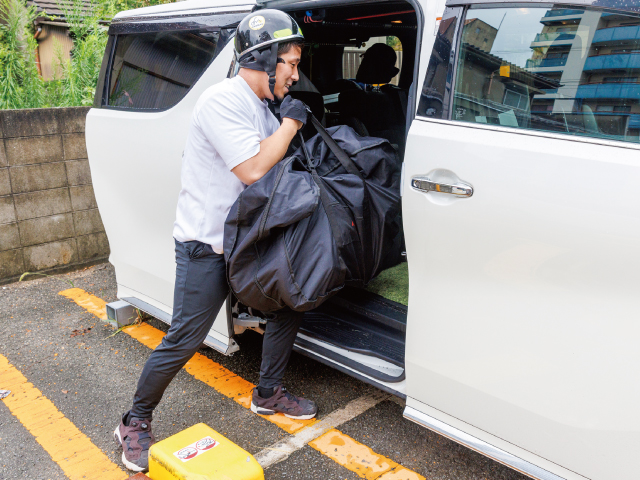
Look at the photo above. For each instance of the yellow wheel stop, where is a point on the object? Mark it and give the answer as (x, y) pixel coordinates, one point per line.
(201, 453)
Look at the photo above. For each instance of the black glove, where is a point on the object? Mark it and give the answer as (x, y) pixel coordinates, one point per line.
(293, 108)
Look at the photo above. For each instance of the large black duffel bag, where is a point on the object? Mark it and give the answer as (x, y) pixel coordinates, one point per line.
(323, 218)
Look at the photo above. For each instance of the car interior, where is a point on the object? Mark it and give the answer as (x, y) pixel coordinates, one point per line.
(357, 69)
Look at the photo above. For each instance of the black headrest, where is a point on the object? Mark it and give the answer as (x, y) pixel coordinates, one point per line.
(378, 65)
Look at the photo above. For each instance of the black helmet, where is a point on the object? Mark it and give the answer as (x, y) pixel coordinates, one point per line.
(257, 39)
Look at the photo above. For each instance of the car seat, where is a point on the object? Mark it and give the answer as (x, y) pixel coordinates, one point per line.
(381, 109)
(306, 92)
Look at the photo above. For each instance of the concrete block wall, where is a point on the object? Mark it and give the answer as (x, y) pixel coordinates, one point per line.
(49, 220)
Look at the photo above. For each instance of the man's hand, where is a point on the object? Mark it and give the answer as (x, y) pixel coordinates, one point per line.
(294, 109)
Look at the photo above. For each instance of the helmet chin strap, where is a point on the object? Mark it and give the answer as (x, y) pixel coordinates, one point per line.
(273, 64)
(265, 60)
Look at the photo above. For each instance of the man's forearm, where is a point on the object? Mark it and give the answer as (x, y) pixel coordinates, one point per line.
(272, 149)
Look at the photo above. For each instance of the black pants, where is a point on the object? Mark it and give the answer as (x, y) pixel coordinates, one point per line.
(200, 291)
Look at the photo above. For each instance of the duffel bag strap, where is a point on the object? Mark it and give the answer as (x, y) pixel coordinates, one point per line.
(350, 167)
(341, 155)
(325, 199)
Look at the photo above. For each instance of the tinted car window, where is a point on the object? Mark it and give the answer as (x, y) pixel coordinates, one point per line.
(156, 70)
(434, 98)
(572, 71)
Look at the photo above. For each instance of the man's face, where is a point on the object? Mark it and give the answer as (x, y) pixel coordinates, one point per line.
(287, 72)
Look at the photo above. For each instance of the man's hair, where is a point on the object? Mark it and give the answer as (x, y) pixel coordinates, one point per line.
(284, 47)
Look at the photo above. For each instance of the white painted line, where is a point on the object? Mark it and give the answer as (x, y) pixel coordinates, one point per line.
(281, 450)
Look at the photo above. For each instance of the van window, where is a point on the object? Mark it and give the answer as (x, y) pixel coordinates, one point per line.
(352, 57)
(571, 71)
(154, 71)
(434, 98)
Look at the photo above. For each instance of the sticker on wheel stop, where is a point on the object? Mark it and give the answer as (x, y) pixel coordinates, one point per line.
(196, 448)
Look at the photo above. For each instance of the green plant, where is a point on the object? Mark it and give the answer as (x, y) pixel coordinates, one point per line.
(141, 317)
(80, 74)
(20, 84)
(395, 43)
(44, 275)
(75, 82)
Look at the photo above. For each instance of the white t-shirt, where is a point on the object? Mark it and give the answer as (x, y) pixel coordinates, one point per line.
(228, 124)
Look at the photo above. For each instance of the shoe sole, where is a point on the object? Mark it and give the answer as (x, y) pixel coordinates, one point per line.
(131, 466)
(264, 411)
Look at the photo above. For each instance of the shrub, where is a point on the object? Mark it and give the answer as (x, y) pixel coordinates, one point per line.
(21, 86)
(79, 75)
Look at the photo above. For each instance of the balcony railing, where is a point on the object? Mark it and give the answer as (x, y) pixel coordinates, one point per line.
(554, 37)
(546, 62)
(617, 33)
(609, 90)
(564, 12)
(616, 61)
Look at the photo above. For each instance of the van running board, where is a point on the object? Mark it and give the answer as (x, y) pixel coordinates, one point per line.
(360, 330)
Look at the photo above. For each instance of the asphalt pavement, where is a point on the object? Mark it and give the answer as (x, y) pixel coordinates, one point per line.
(73, 359)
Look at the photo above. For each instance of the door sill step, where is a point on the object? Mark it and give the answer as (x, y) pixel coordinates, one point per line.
(360, 322)
(368, 365)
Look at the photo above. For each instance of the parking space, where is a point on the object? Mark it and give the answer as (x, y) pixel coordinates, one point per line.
(88, 375)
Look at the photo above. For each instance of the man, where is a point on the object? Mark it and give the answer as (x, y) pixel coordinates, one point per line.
(233, 141)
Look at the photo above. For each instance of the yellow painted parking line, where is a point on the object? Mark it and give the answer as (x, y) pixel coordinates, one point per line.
(71, 449)
(360, 459)
(90, 303)
(401, 473)
(201, 367)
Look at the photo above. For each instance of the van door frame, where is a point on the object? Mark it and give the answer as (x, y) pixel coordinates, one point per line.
(287, 5)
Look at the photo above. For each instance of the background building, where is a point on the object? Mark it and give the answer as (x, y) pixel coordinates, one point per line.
(52, 33)
(595, 57)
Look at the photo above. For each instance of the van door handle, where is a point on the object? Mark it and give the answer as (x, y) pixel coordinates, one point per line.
(425, 184)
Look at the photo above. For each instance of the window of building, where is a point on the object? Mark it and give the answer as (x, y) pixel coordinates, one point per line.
(620, 80)
(154, 71)
(574, 88)
(515, 99)
(554, 54)
(625, 50)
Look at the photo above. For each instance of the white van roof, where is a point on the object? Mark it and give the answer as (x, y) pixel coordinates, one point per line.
(187, 7)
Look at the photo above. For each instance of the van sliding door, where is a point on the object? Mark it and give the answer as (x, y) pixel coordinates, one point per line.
(521, 215)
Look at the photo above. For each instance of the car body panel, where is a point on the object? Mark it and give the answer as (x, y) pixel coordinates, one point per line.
(528, 327)
(187, 8)
(148, 163)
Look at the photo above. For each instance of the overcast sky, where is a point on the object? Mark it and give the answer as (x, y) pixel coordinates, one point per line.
(518, 28)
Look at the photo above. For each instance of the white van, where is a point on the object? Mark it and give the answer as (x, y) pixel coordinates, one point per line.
(519, 125)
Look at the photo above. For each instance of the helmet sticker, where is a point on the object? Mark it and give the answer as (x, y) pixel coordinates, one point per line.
(257, 22)
(285, 32)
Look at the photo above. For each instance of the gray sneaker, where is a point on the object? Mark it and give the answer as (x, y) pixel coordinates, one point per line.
(283, 402)
(135, 440)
